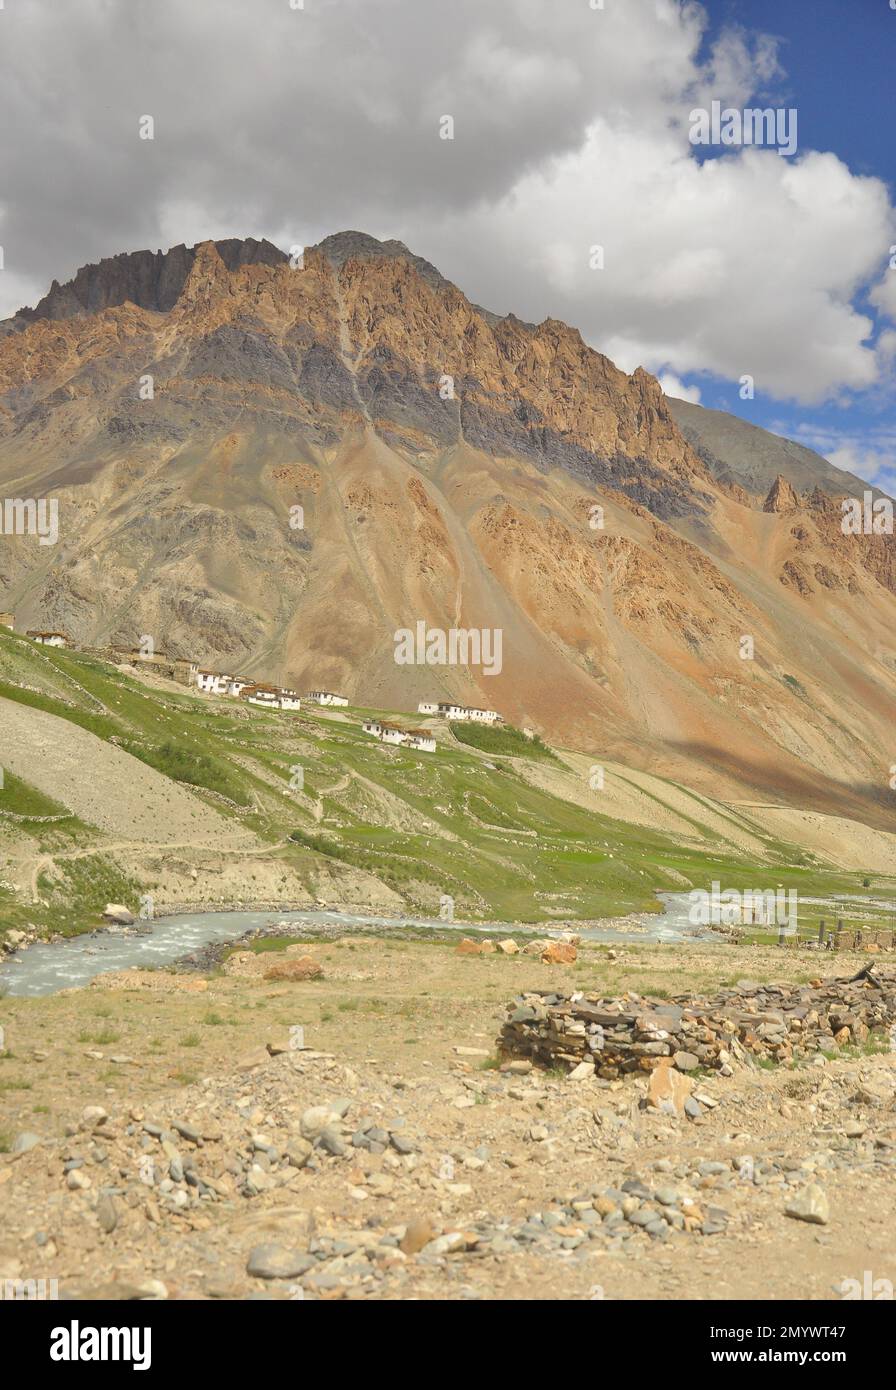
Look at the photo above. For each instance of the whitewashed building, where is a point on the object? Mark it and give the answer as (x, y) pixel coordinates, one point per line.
(450, 711)
(422, 740)
(290, 699)
(212, 682)
(373, 726)
(264, 696)
(390, 733)
(484, 716)
(326, 697)
(48, 639)
(237, 685)
(428, 707)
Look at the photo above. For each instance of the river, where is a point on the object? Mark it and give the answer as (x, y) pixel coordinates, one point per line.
(46, 967)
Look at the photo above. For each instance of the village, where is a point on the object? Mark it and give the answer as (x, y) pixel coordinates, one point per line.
(260, 694)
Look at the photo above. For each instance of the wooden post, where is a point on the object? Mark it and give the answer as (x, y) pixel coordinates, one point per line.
(838, 934)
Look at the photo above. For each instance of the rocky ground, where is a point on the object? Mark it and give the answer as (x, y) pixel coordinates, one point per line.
(352, 1136)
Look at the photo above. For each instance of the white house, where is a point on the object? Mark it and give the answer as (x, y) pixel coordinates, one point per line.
(428, 707)
(289, 699)
(213, 683)
(265, 696)
(237, 685)
(450, 711)
(390, 733)
(326, 697)
(373, 726)
(422, 740)
(484, 716)
(48, 639)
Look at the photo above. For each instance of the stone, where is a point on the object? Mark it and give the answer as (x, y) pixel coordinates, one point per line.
(316, 1119)
(583, 1072)
(93, 1115)
(685, 1061)
(468, 947)
(331, 1142)
(77, 1181)
(668, 1090)
(118, 914)
(107, 1213)
(508, 947)
(811, 1204)
(559, 953)
(25, 1141)
(418, 1233)
(298, 1152)
(276, 1262)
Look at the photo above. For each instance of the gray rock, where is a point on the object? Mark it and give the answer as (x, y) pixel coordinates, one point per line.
(811, 1204)
(276, 1262)
(332, 1143)
(107, 1213)
(25, 1141)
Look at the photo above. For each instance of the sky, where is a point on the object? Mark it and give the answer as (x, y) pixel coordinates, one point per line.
(574, 185)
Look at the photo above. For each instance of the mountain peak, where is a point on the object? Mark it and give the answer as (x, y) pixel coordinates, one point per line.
(150, 279)
(350, 245)
(781, 497)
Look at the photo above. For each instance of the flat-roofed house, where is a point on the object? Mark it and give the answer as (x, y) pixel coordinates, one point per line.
(390, 733)
(238, 685)
(326, 697)
(484, 716)
(265, 696)
(290, 699)
(450, 711)
(428, 707)
(373, 726)
(422, 740)
(212, 682)
(48, 639)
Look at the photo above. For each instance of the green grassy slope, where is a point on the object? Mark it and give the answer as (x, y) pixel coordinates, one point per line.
(314, 788)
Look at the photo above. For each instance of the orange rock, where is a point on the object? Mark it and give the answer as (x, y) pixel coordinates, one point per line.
(468, 947)
(508, 947)
(668, 1089)
(559, 953)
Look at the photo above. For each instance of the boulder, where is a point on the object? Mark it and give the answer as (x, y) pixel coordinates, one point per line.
(118, 914)
(559, 953)
(668, 1089)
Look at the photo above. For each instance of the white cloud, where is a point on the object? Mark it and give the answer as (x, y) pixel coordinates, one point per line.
(673, 386)
(571, 129)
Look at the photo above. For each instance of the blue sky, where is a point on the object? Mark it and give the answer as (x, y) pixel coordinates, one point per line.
(839, 61)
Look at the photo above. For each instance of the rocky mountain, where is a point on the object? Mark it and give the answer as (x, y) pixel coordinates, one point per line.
(752, 458)
(274, 465)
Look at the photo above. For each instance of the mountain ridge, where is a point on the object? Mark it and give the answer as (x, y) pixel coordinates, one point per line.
(450, 466)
